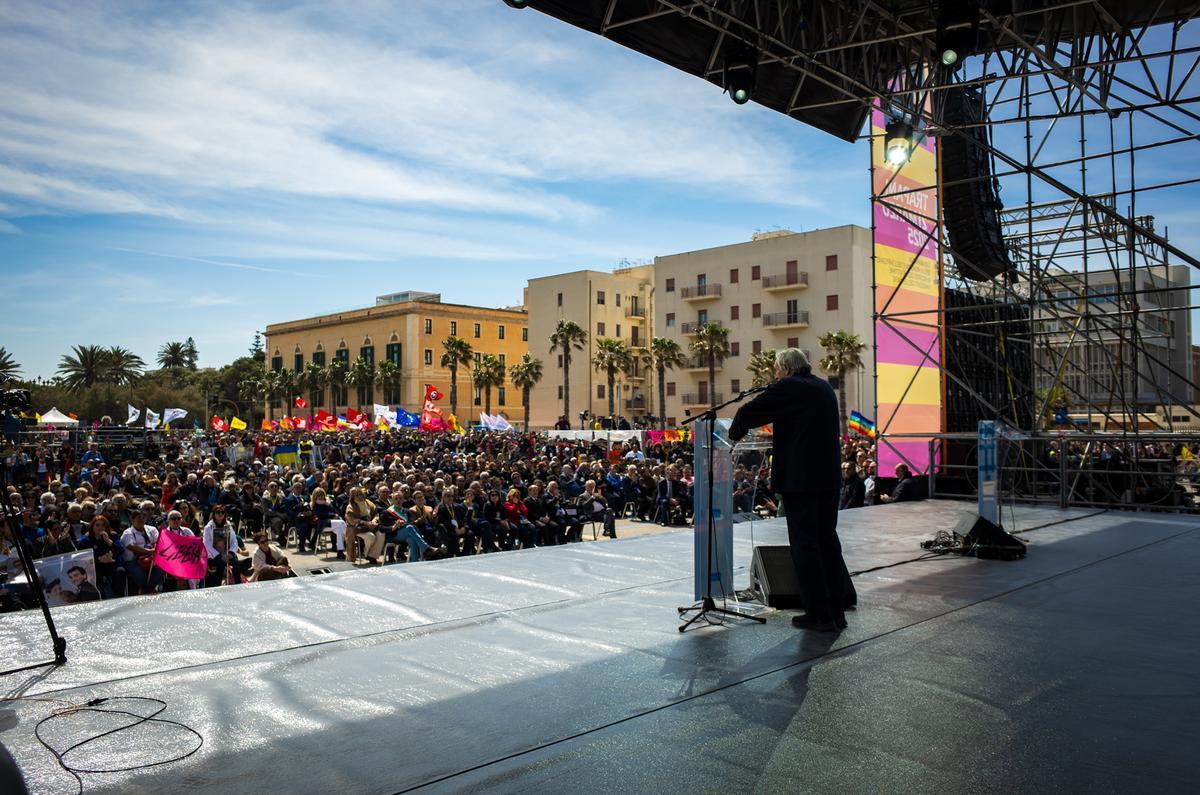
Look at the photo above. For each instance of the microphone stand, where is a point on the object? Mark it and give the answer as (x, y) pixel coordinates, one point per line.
(58, 642)
(707, 604)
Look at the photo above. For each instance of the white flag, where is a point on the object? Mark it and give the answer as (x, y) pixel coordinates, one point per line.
(170, 415)
(151, 419)
(485, 420)
(501, 424)
(378, 410)
(133, 416)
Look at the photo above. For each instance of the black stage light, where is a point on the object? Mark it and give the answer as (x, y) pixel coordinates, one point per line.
(897, 142)
(516, 3)
(957, 32)
(741, 70)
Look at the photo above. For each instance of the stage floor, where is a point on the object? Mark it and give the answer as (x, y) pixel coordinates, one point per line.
(562, 670)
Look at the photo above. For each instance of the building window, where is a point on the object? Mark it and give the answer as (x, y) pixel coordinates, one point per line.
(524, 335)
(599, 329)
(733, 275)
(500, 396)
(793, 342)
(670, 320)
(502, 363)
(735, 385)
(277, 363)
(367, 352)
(755, 273)
(428, 325)
(428, 357)
(500, 332)
(560, 299)
(618, 329)
(560, 361)
(735, 348)
(702, 317)
(831, 262)
(478, 359)
(670, 288)
(600, 297)
(756, 346)
(755, 310)
(319, 358)
(831, 302)
(617, 298)
(298, 362)
(392, 352)
(478, 395)
(453, 328)
(734, 312)
(670, 389)
(342, 354)
(477, 330)
(600, 391)
(560, 391)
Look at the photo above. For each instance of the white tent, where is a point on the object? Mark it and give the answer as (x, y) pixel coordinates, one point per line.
(56, 417)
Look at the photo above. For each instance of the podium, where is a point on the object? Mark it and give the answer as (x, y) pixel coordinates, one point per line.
(716, 525)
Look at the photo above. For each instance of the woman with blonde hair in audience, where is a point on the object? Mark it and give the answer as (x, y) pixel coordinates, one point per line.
(362, 522)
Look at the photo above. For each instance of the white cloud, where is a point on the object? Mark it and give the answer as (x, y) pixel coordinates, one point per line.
(8, 228)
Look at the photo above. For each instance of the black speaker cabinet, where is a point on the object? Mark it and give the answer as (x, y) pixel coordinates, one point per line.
(773, 576)
(983, 539)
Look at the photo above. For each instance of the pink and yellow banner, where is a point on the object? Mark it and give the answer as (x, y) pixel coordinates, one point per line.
(907, 295)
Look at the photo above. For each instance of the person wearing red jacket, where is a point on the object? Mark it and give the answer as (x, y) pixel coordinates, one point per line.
(516, 513)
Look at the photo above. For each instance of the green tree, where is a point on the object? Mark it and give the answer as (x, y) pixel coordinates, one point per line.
(489, 373)
(663, 354)
(842, 354)
(312, 377)
(388, 376)
(189, 351)
(87, 366)
(362, 375)
(8, 366)
(125, 367)
(567, 335)
(173, 356)
(762, 367)
(257, 352)
(335, 376)
(711, 344)
(456, 352)
(612, 356)
(525, 375)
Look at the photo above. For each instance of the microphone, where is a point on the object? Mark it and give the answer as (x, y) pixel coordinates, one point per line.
(753, 391)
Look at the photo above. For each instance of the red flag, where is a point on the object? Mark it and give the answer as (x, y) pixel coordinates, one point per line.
(431, 393)
(285, 423)
(431, 415)
(218, 424)
(301, 403)
(324, 419)
(299, 423)
(180, 555)
(354, 416)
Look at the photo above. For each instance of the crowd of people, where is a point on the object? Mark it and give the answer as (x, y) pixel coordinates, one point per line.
(367, 497)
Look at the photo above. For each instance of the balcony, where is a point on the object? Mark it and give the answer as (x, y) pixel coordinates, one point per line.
(637, 372)
(689, 329)
(698, 363)
(786, 320)
(635, 310)
(702, 398)
(782, 282)
(636, 404)
(635, 344)
(701, 292)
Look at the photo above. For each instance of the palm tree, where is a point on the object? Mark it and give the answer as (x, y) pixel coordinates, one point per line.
(457, 352)
(173, 356)
(313, 377)
(125, 367)
(567, 335)
(88, 366)
(335, 375)
(762, 367)
(612, 356)
(843, 351)
(388, 375)
(663, 354)
(525, 375)
(8, 366)
(712, 344)
(488, 373)
(362, 375)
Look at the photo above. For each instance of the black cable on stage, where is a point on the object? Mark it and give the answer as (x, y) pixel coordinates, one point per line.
(93, 706)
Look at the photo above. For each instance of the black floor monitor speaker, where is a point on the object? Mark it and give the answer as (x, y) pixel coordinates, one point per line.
(984, 539)
(970, 194)
(773, 576)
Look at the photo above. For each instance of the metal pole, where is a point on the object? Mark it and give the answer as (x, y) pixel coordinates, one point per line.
(1063, 493)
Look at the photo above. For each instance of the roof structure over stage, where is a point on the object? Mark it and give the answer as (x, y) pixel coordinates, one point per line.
(823, 61)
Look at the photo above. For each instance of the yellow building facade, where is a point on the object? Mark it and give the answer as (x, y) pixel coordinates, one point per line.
(406, 329)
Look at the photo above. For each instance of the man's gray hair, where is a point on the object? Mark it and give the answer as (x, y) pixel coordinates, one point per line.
(791, 360)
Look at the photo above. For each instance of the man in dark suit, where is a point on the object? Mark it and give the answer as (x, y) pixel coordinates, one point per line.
(807, 472)
(853, 491)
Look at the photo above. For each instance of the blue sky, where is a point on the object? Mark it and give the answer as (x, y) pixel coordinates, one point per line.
(173, 169)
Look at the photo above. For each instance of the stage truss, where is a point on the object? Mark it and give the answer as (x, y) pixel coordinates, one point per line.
(1093, 120)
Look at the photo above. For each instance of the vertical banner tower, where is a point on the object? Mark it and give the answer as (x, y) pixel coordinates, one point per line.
(907, 287)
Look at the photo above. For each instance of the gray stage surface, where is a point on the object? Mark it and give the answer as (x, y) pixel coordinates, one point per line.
(561, 670)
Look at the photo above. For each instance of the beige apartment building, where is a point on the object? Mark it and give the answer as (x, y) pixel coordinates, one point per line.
(615, 304)
(780, 289)
(406, 328)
